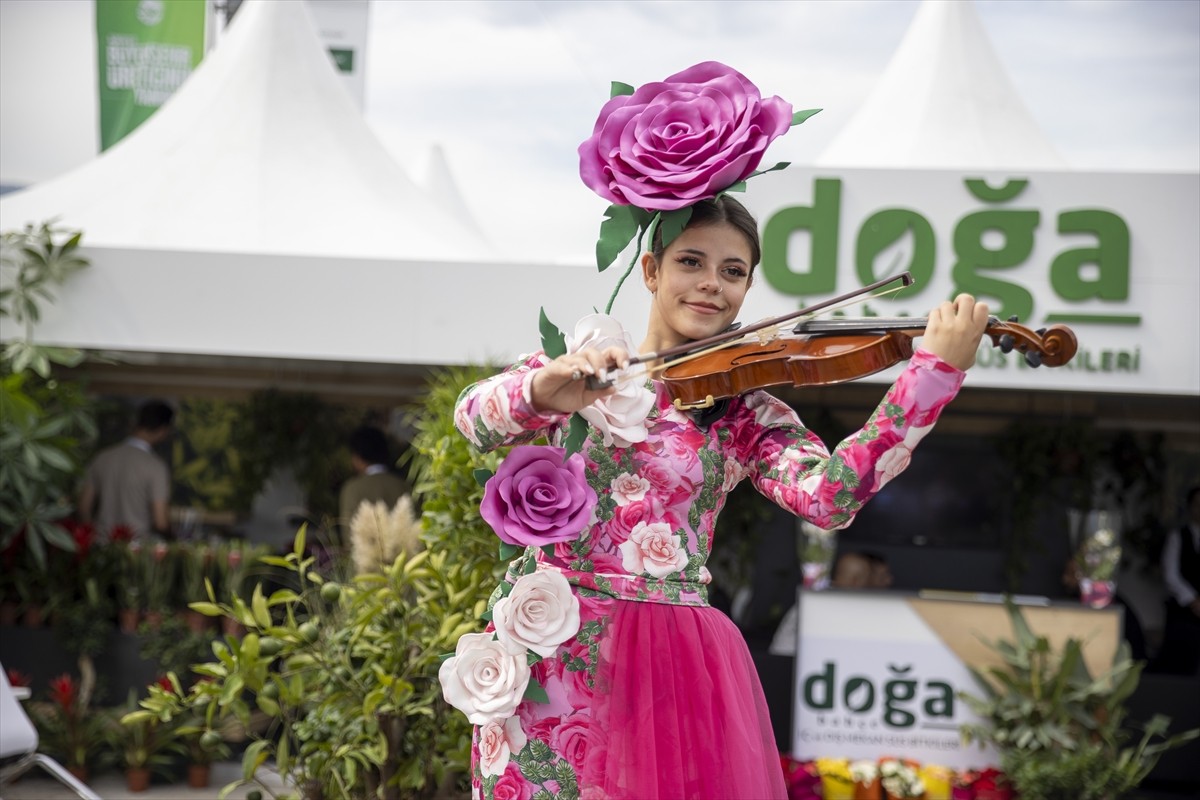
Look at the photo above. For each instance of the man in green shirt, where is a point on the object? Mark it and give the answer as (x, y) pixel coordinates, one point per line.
(374, 480)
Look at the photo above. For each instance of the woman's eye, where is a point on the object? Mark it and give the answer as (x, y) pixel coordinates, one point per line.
(735, 272)
(689, 261)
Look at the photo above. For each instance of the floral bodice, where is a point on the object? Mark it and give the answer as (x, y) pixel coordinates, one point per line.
(658, 499)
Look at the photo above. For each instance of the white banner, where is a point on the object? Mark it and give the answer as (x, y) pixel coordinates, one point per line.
(873, 680)
(1112, 256)
(342, 26)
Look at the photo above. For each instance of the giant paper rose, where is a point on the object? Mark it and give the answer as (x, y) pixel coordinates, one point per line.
(483, 679)
(537, 498)
(498, 742)
(620, 417)
(685, 139)
(653, 548)
(539, 614)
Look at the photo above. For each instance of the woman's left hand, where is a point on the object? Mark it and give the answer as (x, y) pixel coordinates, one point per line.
(954, 330)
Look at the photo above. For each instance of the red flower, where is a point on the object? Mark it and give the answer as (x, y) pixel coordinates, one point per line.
(121, 533)
(164, 683)
(64, 692)
(18, 678)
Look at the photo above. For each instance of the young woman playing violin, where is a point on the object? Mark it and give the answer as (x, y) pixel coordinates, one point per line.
(657, 696)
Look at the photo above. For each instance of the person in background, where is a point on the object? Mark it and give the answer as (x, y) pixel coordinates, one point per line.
(1180, 653)
(881, 573)
(852, 570)
(128, 483)
(374, 480)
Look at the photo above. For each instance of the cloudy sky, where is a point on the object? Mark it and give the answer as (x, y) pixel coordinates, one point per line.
(509, 89)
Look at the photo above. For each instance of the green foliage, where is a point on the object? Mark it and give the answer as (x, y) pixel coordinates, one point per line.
(204, 459)
(45, 424)
(348, 678)
(1060, 731)
(275, 429)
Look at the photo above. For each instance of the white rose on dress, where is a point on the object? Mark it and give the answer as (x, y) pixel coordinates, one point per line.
(483, 679)
(896, 460)
(498, 743)
(627, 488)
(494, 409)
(620, 417)
(653, 549)
(539, 614)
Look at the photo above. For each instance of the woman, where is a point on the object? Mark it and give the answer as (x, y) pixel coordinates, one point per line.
(656, 695)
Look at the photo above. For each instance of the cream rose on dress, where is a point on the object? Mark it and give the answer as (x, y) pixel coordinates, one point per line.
(483, 679)
(494, 410)
(540, 613)
(652, 548)
(896, 460)
(627, 488)
(620, 417)
(498, 743)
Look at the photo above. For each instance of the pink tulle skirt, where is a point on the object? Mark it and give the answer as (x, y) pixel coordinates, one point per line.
(683, 711)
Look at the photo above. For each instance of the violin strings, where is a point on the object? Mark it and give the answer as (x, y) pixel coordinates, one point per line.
(763, 336)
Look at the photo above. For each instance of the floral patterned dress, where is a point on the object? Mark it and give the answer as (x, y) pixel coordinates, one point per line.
(656, 696)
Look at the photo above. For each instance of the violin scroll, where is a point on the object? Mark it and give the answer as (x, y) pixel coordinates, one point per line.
(1051, 347)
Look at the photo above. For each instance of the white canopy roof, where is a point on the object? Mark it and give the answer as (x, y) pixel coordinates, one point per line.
(944, 101)
(260, 151)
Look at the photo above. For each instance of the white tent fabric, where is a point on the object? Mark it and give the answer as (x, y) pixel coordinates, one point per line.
(944, 101)
(262, 150)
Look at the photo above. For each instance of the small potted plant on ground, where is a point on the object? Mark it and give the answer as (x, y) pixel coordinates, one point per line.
(148, 744)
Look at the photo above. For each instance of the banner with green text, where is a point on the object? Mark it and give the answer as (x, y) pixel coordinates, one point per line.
(147, 49)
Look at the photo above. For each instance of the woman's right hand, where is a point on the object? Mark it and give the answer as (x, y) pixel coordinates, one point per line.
(562, 384)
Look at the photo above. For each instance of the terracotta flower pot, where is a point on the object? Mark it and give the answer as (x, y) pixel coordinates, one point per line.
(79, 771)
(231, 627)
(10, 612)
(197, 622)
(868, 791)
(197, 775)
(137, 779)
(34, 617)
(127, 619)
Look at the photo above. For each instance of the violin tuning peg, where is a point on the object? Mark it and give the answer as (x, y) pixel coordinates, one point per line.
(1014, 318)
(1033, 358)
(1006, 343)
(1041, 331)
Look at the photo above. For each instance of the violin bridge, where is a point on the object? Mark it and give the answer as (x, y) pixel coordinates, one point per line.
(707, 402)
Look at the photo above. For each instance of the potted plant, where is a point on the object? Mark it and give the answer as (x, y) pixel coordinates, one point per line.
(129, 583)
(326, 645)
(1060, 731)
(195, 568)
(900, 779)
(158, 566)
(69, 728)
(148, 743)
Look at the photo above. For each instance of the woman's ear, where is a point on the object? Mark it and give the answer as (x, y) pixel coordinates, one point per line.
(650, 272)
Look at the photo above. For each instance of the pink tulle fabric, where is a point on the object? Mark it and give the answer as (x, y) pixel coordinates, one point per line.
(686, 716)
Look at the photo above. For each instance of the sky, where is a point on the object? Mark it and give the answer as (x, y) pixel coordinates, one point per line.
(508, 90)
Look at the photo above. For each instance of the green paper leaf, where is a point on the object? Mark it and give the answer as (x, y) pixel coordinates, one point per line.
(779, 166)
(800, 116)
(553, 342)
(482, 476)
(535, 692)
(508, 551)
(486, 616)
(619, 89)
(548, 550)
(740, 186)
(444, 656)
(576, 436)
(531, 658)
(672, 224)
(619, 228)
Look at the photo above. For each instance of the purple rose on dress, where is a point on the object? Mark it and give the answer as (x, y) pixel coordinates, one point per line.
(536, 498)
(671, 144)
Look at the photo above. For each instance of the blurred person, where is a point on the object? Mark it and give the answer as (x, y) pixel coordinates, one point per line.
(128, 483)
(374, 481)
(852, 570)
(1180, 652)
(881, 573)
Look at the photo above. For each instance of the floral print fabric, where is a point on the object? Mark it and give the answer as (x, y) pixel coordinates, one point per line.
(650, 534)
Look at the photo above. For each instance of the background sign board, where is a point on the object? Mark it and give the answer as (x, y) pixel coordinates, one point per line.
(880, 674)
(1113, 256)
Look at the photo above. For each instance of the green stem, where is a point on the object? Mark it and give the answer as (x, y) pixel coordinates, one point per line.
(633, 261)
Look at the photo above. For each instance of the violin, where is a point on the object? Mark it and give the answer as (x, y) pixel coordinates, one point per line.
(821, 352)
(827, 352)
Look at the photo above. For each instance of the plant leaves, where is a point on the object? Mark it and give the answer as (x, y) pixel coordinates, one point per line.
(509, 551)
(801, 116)
(672, 224)
(620, 227)
(535, 692)
(619, 89)
(554, 344)
(482, 476)
(576, 435)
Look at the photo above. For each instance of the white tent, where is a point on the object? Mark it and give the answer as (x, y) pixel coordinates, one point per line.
(256, 214)
(944, 101)
(261, 151)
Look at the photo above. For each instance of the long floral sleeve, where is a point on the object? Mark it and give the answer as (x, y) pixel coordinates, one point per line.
(792, 467)
(497, 411)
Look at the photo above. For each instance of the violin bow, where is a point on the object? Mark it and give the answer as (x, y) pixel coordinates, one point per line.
(699, 347)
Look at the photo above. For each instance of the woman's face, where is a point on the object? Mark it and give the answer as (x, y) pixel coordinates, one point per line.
(699, 285)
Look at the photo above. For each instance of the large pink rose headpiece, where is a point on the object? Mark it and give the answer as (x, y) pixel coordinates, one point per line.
(684, 139)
